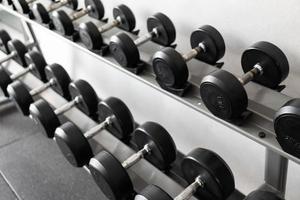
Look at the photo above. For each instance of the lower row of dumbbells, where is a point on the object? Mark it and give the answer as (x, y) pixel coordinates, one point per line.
(207, 173)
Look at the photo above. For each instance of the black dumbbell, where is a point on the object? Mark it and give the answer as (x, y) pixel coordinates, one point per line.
(23, 6)
(170, 66)
(17, 52)
(83, 97)
(262, 195)
(155, 144)
(41, 13)
(64, 23)
(207, 173)
(91, 35)
(58, 80)
(35, 64)
(286, 126)
(73, 143)
(4, 39)
(224, 94)
(124, 49)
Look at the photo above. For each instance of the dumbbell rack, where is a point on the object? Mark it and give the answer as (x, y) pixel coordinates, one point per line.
(263, 103)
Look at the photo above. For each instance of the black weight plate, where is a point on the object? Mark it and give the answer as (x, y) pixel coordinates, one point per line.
(127, 17)
(110, 176)
(262, 195)
(21, 96)
(22, 6)
(38, 61)
(153, 192)
(271, 58)
(170, 67)
(213, 170)
(165, 27)
(97, 8)
(40, 13)
(90, 36)
(63, 23)
(73, 4)
(123, 124)
(163, 149)
(44, 115)
(124, 50)
(223, 95)
(18, 47)
(4, 39)
(61, 77)
(73, 145)
(213, 41)
(5, 80)
(83, 89)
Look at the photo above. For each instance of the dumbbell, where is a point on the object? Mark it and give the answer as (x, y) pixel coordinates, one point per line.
(155, 144)
(63, 23)
(74, 144)
(35, 64)
(17, 52)
(224, 94)
(41, 13)
(207, 173)
(83, 97)
(4, 39)
(286, 126)
(262, 195)
(170, 66)
(91, 35)
(161, 30)
(58, 80)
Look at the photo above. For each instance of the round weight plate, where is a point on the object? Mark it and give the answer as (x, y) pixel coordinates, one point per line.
(36, 59)
(4, 39)
(286, 125)
(163, 149)
(223, 95)
(5, 80)
(153, 192)
(165, 27)
(262, 195)
(124, 50)
(123, 124)
(213, 170)
(271, 58)
(21, 96)
(127, 17)
(73, 145)
(62, 79)
(40, 13)
(62, 23)
(89, 102)
(90, 36)
(170, 68)
(18, 47)
(97, 8)
(213, 41)
(44, 115)
(73, 4)
(22, 6)
(111, 177)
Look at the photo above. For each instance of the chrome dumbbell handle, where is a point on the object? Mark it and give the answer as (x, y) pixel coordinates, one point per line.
(147, 37)
(194, 52)
(249, 76)
(68, 105)
(110, 25)
(42, 88)
(96, 129)
(81, 13)
(132, 160)
(190, 190)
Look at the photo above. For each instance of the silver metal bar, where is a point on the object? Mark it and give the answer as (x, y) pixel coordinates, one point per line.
(42, 88)
(249, 76)
(190, 190)
(81, 13)
(132, 160)
(192, 54)
(145, 38)
(22, 73)
(57, 5)
(96, 129)
(12, 55)
(68, 106)
(110, 25)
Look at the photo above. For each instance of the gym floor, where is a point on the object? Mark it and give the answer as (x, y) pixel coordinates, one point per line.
(31, 166)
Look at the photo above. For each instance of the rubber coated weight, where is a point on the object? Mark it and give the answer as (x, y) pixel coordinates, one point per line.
(223, 94)
(127, 17)
(122, 122)
(163, 148)
(62, 22)
(153, 192)
(73, 145)
(286, 125)
(5, 80)
(38, 61)
(90, 36)
(89, 102)
(111, 177)
(214, 172)
(4, 39)
(20, 49)
(271, 58)
(22, 6)
(97, 8)
(213, 41)
(40, 13)
(165, 27)
(262, 195)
